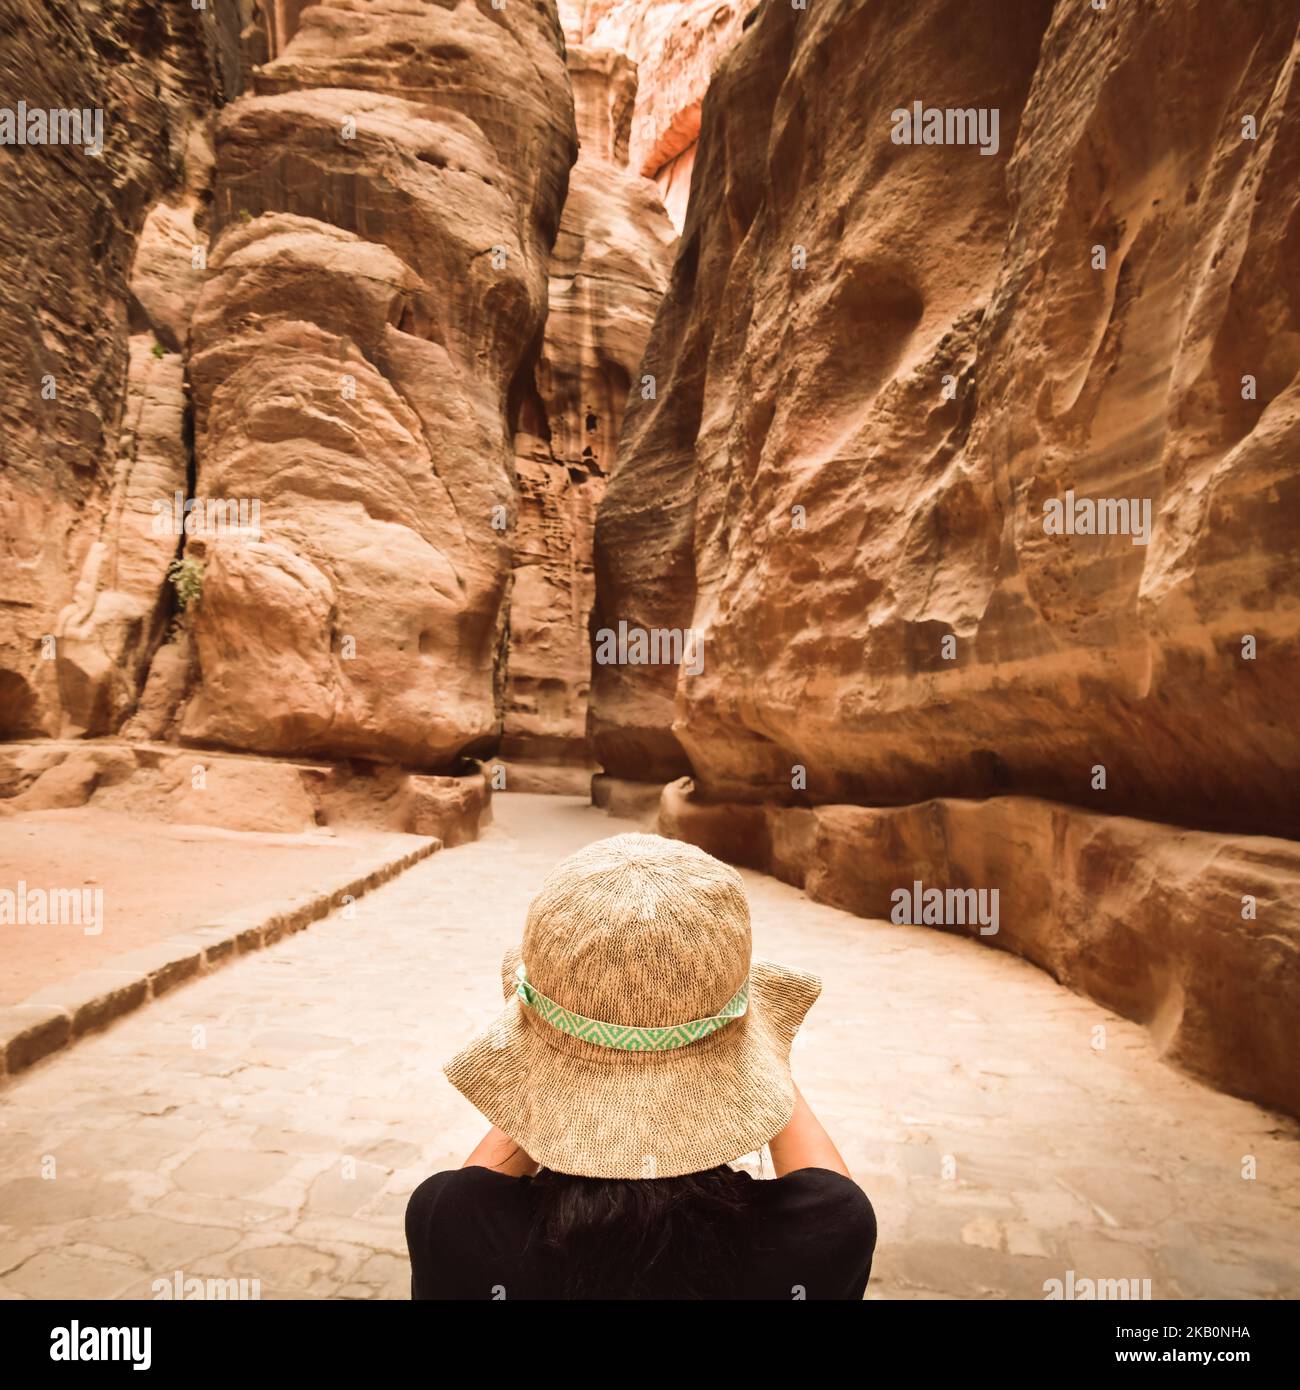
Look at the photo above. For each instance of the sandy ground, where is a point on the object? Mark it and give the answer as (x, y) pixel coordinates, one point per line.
(268, 1121)
(156, 880)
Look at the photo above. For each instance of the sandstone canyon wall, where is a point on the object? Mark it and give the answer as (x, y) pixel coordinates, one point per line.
(876, 363)
(386, 201)
(92, 398)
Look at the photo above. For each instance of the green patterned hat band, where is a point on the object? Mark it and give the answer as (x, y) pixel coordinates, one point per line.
(628, 1037)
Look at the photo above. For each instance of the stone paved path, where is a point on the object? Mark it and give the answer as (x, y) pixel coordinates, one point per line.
(269, 1120)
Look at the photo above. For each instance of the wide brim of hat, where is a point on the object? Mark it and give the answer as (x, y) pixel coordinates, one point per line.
(600, 1112)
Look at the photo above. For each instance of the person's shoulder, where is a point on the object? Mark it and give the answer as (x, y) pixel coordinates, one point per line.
(450, 1187)
(457, 1222)
(828, 1194)
(826, 1227)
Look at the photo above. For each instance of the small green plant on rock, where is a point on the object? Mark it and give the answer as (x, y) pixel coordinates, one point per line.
(186, 576)
(158, 350)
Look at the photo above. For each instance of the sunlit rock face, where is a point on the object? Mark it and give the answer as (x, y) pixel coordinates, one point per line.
(676, 46)
(608, 271)
(95, 268)
(884, 371)
(386, 202)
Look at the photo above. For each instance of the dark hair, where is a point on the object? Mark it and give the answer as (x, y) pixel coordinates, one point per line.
(642, 1237)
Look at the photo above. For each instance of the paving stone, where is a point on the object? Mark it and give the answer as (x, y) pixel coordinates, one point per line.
(223, 1211)
(165, 965)
(972, 1272)
(33, 1202)
(390, 1153)
(94, 1155)
(1055, 1208)
(333, 1193)
(269, 1078)
(95, 998)
(54, 1274)
(1026, 1240)
(375, 1231)
(984, 1232)
(1197, 1269)
(15, 1249)
(230, 1172)
(29, 1032)
(392, 1275)
(274, 1140)
(1094, 1256)
(160, 1242)
(1130, 1198)
(295, 1268)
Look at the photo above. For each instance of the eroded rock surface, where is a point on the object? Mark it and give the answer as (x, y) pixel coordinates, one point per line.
(386, 202)
(237, 792)
(90, 383)
(805, 493)
(878, 362)
(676, 47)
(331, 327)
(1192, 933)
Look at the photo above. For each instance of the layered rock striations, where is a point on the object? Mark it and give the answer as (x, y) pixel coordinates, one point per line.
(607, 273)
(1192, 933)
(91, 319)
(975, 467)
(319, 318)
(877, 364)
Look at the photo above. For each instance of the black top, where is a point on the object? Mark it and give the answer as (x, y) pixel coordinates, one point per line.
(811, 1234)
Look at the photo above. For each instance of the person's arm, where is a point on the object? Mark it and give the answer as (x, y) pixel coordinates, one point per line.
(500, 1153)
(803, 1143)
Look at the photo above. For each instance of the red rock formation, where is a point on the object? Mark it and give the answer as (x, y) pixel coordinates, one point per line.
(279, 23)
(676, 46)
(1195, 934)
(238, 792)
(877, 363)
(805, 493)
(387, 203)
(360, 317)
(89, 412)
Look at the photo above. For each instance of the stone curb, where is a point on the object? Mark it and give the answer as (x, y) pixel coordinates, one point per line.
(58, 1014)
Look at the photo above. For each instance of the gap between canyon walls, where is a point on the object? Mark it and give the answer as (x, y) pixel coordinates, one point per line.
(608, 271)
(471, 630)
(638, 74)
(875, 363)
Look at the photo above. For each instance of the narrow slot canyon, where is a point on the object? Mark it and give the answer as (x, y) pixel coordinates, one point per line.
(855, 438)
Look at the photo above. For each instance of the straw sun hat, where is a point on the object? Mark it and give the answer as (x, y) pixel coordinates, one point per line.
(639, 1039)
